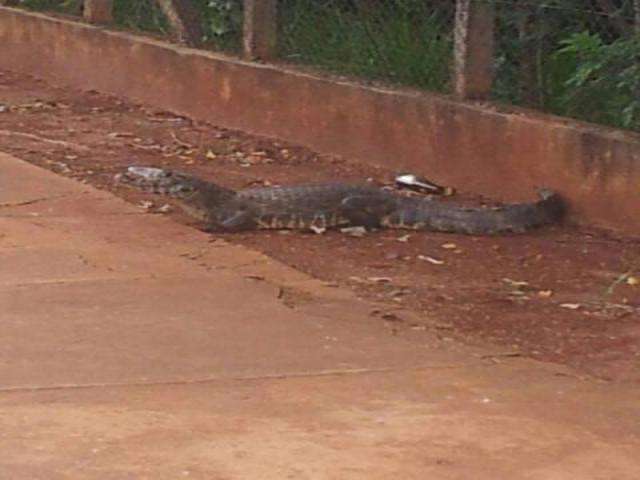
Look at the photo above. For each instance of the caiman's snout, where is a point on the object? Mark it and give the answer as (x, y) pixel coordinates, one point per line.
(142, 176)
(157, 180)
(148, 173)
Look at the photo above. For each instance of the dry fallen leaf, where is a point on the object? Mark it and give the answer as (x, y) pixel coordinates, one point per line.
(449, 246)
(380, 279)
(519, 293)
(121, 135)
(210, 155)
(570, 306)
(399, 292)
(431, 260)
(354, 231)
(545, 293)
(515, 283)
(391, 317)
(317, 230)
(404, 238)
(633, 281)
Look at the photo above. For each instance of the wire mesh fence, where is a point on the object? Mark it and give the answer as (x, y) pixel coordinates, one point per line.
(69, 7)
(221, 19)
(222, 23)
(142, 15)
(403, 41)
(577, 58)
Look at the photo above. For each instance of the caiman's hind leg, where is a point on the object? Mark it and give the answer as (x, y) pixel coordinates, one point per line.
(366, 210)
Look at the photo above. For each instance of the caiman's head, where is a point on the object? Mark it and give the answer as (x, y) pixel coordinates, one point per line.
(197, 196)
(157, 180)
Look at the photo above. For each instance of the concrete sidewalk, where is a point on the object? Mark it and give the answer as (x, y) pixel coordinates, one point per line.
(137, 348)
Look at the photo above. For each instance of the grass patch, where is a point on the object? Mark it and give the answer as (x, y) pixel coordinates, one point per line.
(69, 7)
(404, 42)
(140, 15)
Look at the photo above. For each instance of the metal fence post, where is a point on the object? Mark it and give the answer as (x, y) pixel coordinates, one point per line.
(260, 29)
(98, 11)
(473, 55)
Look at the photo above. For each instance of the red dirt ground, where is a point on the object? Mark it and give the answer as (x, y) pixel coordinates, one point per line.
(579, 306)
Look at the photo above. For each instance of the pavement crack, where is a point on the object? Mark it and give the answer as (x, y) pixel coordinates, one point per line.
(28, 202)
(214, 379)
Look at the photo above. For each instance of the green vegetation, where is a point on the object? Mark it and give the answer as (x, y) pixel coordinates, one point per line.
(571, 58)
(221, 20)
(60, 6)
(603, 81)
(142, 15)
(402, 41)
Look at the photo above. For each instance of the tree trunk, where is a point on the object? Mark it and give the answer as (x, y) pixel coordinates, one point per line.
(260, 29)
(473, 49)
(184, 20)
(528, 60)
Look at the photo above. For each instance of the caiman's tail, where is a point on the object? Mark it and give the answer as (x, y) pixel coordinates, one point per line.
(447, 217)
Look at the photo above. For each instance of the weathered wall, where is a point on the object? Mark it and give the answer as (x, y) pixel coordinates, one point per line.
(470, 146)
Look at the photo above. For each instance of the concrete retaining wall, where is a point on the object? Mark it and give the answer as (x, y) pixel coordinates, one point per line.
(474, 147)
